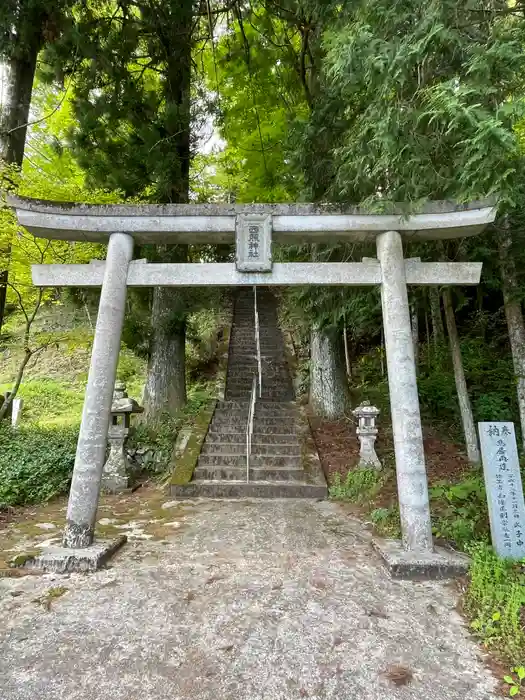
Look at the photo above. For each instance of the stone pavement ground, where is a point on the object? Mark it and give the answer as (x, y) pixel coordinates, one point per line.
(230, 600)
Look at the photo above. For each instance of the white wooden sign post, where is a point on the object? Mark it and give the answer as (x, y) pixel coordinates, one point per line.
(501, 468)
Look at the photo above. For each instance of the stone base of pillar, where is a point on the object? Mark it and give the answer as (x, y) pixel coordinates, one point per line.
(421, 565)
(64, 560)
(114, 484)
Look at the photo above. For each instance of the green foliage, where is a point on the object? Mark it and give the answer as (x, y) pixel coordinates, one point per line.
(359, 485)
(131, 95)
(50, 403)
(35, 463)
(429, 103)
(515, 680)
(459, 511)
(386, 522)
(495, 602)
(161, 435)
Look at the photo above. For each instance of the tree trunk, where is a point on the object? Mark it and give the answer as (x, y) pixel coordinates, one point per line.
(328, 384)
(515, 324)
(469, 429)
(165, 391)
(14, 117)
(14, 114)
(438, 332)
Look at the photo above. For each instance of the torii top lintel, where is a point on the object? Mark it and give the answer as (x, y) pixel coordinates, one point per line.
(216, 223)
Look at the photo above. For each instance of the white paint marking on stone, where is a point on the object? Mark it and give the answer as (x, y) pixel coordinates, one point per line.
(501, 469)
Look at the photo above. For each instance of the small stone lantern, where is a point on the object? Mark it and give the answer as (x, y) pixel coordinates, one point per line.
(115, 474)
(367, 434)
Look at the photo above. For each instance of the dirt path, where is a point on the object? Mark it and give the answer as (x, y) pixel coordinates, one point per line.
(256, 600)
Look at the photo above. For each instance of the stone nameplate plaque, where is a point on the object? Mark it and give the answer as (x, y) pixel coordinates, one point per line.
(254, 243)
(504, 489)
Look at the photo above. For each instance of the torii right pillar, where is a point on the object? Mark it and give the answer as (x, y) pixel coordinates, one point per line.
(414, 557)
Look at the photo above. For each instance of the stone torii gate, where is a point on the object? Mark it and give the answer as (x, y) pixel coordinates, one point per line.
(253, 228)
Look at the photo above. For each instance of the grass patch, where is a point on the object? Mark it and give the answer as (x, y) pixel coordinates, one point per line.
(50, 402)
(359, 485)
(52, 594)
(495, 602)
(387, 522)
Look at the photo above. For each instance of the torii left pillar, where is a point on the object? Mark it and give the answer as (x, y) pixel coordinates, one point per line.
(92, 440)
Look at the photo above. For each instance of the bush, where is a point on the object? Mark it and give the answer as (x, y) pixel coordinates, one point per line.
(36, 463)
(459, 511)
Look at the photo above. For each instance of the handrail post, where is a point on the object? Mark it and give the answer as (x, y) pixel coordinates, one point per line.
(249, 427)
(258, 341)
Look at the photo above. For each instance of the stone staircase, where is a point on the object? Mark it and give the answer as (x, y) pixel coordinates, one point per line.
(283, 461)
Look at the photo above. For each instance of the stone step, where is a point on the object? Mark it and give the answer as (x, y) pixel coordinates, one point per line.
(284, 395)
(239, 474)
(276, 459)
(228, 448)
(269, 383)
(269, 368)
(273, 388)
(244, 354)
(266, 335)
(268, 387)
(266, 420)
(240, 415)
(261, 405)
(258, 439)
(261, 461)
(255, 489)
(247, 352)
(238, 338)
(278, 410)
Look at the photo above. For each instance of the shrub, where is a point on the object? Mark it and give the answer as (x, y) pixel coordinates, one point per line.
(459, 511)
(35, 463)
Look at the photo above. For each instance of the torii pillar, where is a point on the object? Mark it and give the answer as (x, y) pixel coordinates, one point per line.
(122, 226)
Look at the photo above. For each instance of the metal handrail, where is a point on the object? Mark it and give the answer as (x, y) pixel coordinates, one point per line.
(258, 341)
(249, 427)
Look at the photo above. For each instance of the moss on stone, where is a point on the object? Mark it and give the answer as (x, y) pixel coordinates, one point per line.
(184, 465)
(23, 558)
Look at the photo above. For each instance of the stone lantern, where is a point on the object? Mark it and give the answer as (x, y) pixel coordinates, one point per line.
(367, 434)
(115, 474)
